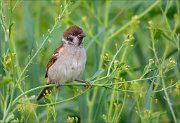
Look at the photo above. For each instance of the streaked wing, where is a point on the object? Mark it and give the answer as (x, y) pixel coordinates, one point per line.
(53, 59)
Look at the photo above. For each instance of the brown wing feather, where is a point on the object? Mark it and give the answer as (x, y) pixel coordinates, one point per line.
(53, 59)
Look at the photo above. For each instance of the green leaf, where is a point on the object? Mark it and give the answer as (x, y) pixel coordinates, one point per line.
(5, 81)
(10, 28)
(148, 97)
(96, 74)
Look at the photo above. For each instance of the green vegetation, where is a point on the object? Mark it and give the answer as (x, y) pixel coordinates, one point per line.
(133, 61)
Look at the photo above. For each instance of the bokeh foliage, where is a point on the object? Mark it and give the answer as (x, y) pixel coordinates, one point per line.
(133, 60)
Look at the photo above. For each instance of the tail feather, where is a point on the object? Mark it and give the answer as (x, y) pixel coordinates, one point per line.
(44, 91)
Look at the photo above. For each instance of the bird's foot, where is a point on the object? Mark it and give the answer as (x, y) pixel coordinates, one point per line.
(57, 85)
(87, 84)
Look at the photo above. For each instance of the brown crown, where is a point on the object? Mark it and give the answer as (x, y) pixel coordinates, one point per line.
(73, 30)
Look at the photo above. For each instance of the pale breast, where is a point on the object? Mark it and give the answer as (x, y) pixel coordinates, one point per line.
(68, 66)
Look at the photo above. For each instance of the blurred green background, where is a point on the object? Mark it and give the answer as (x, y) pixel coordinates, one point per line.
(133, 60)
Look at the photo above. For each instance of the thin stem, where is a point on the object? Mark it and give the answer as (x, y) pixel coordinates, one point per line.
(168, 99)
(109, 68)
(58, 102)
(24, 93)
(111, 103)
(38, 50)
(104, 29)
(83, 84)
(124, 102)
(130, 22)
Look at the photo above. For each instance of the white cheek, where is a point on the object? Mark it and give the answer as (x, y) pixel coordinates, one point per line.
(64, 40)
(76, 40)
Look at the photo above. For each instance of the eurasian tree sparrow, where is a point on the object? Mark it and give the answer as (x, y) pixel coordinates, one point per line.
(67, 61)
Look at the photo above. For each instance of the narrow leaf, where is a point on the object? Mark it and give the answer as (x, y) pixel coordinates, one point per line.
(96, 74)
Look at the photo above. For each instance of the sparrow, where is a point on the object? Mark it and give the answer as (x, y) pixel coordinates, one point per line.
(68, 60)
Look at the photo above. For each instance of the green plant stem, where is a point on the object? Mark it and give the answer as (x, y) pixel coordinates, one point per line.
(130, 22)
(83, 84)
(103, 30)
(111, 104)
(30, 61)
(58, 102)
(172, 34)
(126, 26)
(124, 102)
(161, 68)
(167, 98)
(139, 109)
(8, 103)
(115, 85)
(107, 41)
(114, 58)
(38, 50)
(6, 112)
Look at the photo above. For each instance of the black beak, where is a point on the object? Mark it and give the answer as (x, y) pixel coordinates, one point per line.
(82, 35)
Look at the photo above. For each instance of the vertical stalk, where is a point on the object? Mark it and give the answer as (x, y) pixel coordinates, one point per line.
(95, 92)
(167, 97)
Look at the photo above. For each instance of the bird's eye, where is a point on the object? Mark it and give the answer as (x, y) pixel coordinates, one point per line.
(73, 33)
(70, 39)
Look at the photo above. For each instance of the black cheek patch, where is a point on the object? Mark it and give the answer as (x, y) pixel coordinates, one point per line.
(70, 39)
